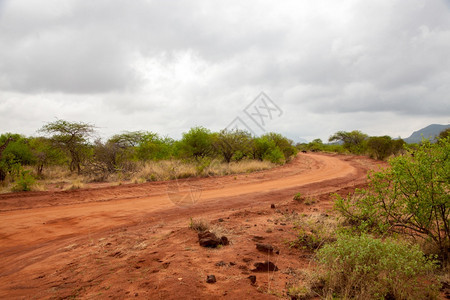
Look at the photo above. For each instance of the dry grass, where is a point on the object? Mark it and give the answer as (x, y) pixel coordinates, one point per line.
(61, 178)
(199, 225)
(171, 169)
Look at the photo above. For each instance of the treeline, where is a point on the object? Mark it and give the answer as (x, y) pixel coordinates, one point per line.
(73, 144)
(356, 142)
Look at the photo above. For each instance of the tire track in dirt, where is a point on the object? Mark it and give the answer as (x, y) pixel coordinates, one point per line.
(42, 224)
(39, 231)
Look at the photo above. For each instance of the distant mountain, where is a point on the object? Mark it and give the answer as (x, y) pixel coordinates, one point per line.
(429, 132)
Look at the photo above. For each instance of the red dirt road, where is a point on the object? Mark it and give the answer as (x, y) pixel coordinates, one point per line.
(131, 240)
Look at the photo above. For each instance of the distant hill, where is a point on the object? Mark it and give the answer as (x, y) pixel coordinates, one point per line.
(429, 132)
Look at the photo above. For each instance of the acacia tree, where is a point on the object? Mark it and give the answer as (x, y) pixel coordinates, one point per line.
(354, 141)
(72, 137)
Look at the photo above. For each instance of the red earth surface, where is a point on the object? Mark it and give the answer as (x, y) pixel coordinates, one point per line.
(134, 240)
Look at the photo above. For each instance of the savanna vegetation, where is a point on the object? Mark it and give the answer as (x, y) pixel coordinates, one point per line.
(390, 240)
(356, 142)
(69, 154)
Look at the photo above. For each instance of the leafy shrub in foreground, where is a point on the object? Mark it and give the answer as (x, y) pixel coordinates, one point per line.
(411, 197)
(363, 267)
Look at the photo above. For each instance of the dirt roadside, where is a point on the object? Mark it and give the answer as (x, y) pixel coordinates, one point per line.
(133, 241)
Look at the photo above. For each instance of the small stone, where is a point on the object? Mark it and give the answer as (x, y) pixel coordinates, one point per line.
(265, 248)
(210, 279)
(265, 266)
(224, 241)
(272, 205)
(220, 220)
(252, 279)
(208, 239)
(257, 238)
(221, 263)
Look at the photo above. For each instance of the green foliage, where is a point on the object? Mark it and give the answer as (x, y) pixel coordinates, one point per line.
(380, 147)
(196, 143)
(354, 141)
(232, 144)
(71, 137)
(410, 197)
(363, 267)
(153, 147)
(316, 145)
(45, 153)
(275, 156)
(444, 134)
(272, 147)
(16, 153)
(284, 145)
(260, 146)
(24, 182)
(298, 197)
(128, 139)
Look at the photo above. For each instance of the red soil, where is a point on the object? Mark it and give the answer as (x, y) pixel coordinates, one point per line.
(133, 241)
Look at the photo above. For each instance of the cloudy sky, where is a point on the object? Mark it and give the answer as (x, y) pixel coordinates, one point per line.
(380, 66)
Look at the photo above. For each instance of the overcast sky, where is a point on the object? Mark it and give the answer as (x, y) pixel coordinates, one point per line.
(380, 66)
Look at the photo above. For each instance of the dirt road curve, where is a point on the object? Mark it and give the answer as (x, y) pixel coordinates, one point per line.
(37, 229)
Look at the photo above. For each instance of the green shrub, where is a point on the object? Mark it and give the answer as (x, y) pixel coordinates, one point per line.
(275, 156)
(24, 182)
(363, 267)
(411, 197)
(298, 197)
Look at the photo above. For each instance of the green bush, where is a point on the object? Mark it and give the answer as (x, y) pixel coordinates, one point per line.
(275, 156)
(298, 197)
(411, 197)
(362, 267)
(24, 182)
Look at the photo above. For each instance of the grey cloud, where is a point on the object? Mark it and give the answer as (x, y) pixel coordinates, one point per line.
(196, 62)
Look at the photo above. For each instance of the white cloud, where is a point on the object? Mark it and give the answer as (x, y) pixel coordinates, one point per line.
(168, 65)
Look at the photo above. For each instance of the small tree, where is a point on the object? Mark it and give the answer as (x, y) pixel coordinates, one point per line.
(260, 146)
(153, 147)
(71, 137)
(196, 143)
(381, 147)
(44, 153)
(285, 145)
(410, 197)
(231, 142)
(354, 141)
(316, 145)
(16, 153)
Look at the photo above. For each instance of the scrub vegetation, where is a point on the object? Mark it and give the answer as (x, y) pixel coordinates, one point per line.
(69, 151)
